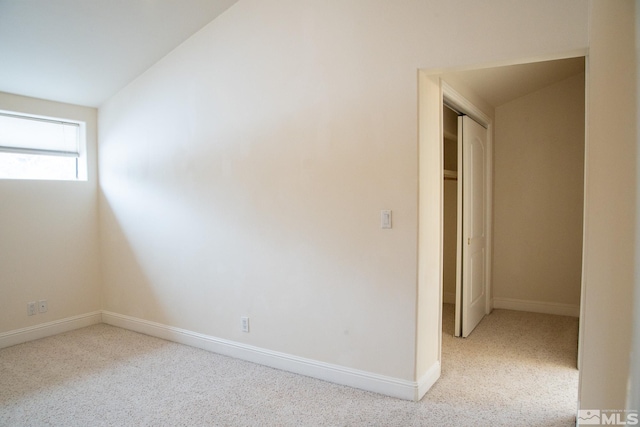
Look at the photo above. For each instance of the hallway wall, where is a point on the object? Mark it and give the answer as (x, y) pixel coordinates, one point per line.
(538, 199)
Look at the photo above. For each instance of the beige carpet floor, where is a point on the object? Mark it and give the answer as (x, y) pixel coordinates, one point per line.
(516, 369)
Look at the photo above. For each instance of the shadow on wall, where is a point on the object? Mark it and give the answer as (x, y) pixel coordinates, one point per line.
(204, 226)
(122, 269)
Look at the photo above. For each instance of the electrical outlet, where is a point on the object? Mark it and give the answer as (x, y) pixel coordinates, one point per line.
(244, 324)
(42, 306)
(31, 308)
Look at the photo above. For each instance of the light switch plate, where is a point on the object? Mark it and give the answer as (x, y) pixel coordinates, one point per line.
(385, 218)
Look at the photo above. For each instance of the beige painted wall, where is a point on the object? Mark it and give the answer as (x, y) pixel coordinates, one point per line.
(244, 173)
(49, 233)
(167, 261)
(538, 195)
(633, 399)
(286, 120)
(245, 176)
(610, 205)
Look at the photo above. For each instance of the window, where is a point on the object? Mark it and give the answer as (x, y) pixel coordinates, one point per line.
(41, 148)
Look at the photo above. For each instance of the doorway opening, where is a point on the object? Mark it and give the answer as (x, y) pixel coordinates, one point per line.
(466, 213)
(537, 184)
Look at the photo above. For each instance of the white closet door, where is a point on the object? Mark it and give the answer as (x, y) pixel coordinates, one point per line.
(474, 222)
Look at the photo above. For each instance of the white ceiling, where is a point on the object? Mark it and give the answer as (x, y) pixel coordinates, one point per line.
(84, 51)
(499, 85)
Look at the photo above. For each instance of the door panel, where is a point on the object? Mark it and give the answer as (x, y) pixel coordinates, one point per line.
(474, 225)
(477, 275)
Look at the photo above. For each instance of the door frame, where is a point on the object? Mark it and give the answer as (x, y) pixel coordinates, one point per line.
(431, 95)
(459, 103)
(431, 90)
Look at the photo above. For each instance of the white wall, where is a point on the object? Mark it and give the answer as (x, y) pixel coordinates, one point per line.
(610, 196)
(538, 195)
(244, 173)
(49, 233)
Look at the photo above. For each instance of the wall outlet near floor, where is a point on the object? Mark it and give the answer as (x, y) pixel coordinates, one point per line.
(31, 308)
(42, 306)
(244, 324)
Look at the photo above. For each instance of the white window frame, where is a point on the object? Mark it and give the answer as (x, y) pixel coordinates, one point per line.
(81, 155)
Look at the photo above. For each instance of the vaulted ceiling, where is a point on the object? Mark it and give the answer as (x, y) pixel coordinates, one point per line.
(499, 85)
(84, 51)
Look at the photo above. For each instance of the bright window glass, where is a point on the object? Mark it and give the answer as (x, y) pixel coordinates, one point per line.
(35, 166)
(41, 148)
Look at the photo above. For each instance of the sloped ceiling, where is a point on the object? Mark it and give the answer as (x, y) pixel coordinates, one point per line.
(500, 85)
(84, 51)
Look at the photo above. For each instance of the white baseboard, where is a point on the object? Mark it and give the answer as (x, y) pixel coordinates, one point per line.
(395, 387)
(537, 306)
(390, 386)
(18, 336)
(428, 380)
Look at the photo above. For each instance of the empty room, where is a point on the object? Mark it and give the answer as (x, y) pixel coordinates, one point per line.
(219, 212)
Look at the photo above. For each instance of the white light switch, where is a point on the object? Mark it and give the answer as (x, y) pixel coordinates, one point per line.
(385, 219)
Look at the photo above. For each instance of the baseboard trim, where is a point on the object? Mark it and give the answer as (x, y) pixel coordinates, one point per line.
(394, 387)
(428, 380)
(537, 306)
(43, 330)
